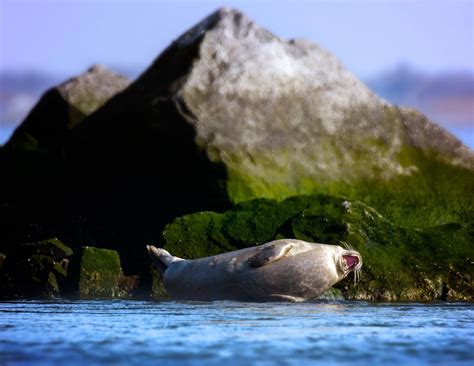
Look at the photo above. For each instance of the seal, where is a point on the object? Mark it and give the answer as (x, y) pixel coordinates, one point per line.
(281, 270)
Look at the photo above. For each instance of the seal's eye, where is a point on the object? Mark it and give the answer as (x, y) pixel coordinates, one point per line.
(351, 261)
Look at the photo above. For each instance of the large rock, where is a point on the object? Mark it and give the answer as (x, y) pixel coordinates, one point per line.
(274, 111)
(231, 111)
(400, 264)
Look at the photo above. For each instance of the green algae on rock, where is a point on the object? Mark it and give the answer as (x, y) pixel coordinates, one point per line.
(95, 273)
(399, 263)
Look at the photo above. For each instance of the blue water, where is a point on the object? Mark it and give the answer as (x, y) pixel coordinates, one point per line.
(231, 333)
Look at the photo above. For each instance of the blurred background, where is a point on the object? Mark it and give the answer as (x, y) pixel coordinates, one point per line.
(412, 53)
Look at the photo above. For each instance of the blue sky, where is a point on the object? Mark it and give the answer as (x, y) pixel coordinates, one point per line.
(65, 37)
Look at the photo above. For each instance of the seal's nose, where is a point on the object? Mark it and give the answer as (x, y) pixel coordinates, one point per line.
(351, 261)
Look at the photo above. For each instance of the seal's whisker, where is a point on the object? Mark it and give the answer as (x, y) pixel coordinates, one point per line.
(346, 245)
(358, 274)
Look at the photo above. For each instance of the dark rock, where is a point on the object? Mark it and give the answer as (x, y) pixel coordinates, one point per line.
(34, 190)
(128, 286)
(32, 277)
(62, 107)
(52, 248)
(34, 269)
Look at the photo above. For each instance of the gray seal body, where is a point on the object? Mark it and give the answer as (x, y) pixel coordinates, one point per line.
(281, 270)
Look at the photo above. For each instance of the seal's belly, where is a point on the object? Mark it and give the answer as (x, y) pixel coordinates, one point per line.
(217, 278)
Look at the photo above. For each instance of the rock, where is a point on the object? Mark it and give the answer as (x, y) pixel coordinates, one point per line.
(32, 270)
(230, 112)
(281, 116)
(400, 264)
(129, 286)
(247, 224)
(332, 294)
(97, 273)
(63, 107)
(52, 248)
(31, 277)
(34, 187)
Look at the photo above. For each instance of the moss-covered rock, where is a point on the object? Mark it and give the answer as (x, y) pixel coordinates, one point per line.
(399, 263)
(97, 273)
(247, 224)
(331, 294)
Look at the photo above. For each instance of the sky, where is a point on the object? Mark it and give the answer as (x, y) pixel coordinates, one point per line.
(66, 36)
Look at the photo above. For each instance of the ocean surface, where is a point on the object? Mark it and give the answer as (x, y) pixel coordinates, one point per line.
(233, 333)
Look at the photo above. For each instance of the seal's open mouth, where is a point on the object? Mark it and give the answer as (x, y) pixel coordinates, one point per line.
(351, 261)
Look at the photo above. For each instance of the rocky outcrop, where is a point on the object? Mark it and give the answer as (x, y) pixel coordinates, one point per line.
(48, 268)
(230, 112)
(227, 113)
(280, 116)
(400, 264)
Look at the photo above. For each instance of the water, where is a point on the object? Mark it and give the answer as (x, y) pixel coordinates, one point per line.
(232, 333)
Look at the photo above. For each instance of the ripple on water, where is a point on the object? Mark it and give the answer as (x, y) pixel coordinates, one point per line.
(231, 333)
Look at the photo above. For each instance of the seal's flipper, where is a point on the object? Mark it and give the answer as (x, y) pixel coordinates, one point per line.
(161, 258)
(269, 254)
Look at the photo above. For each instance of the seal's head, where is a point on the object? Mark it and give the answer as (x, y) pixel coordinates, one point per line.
(348, 260)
